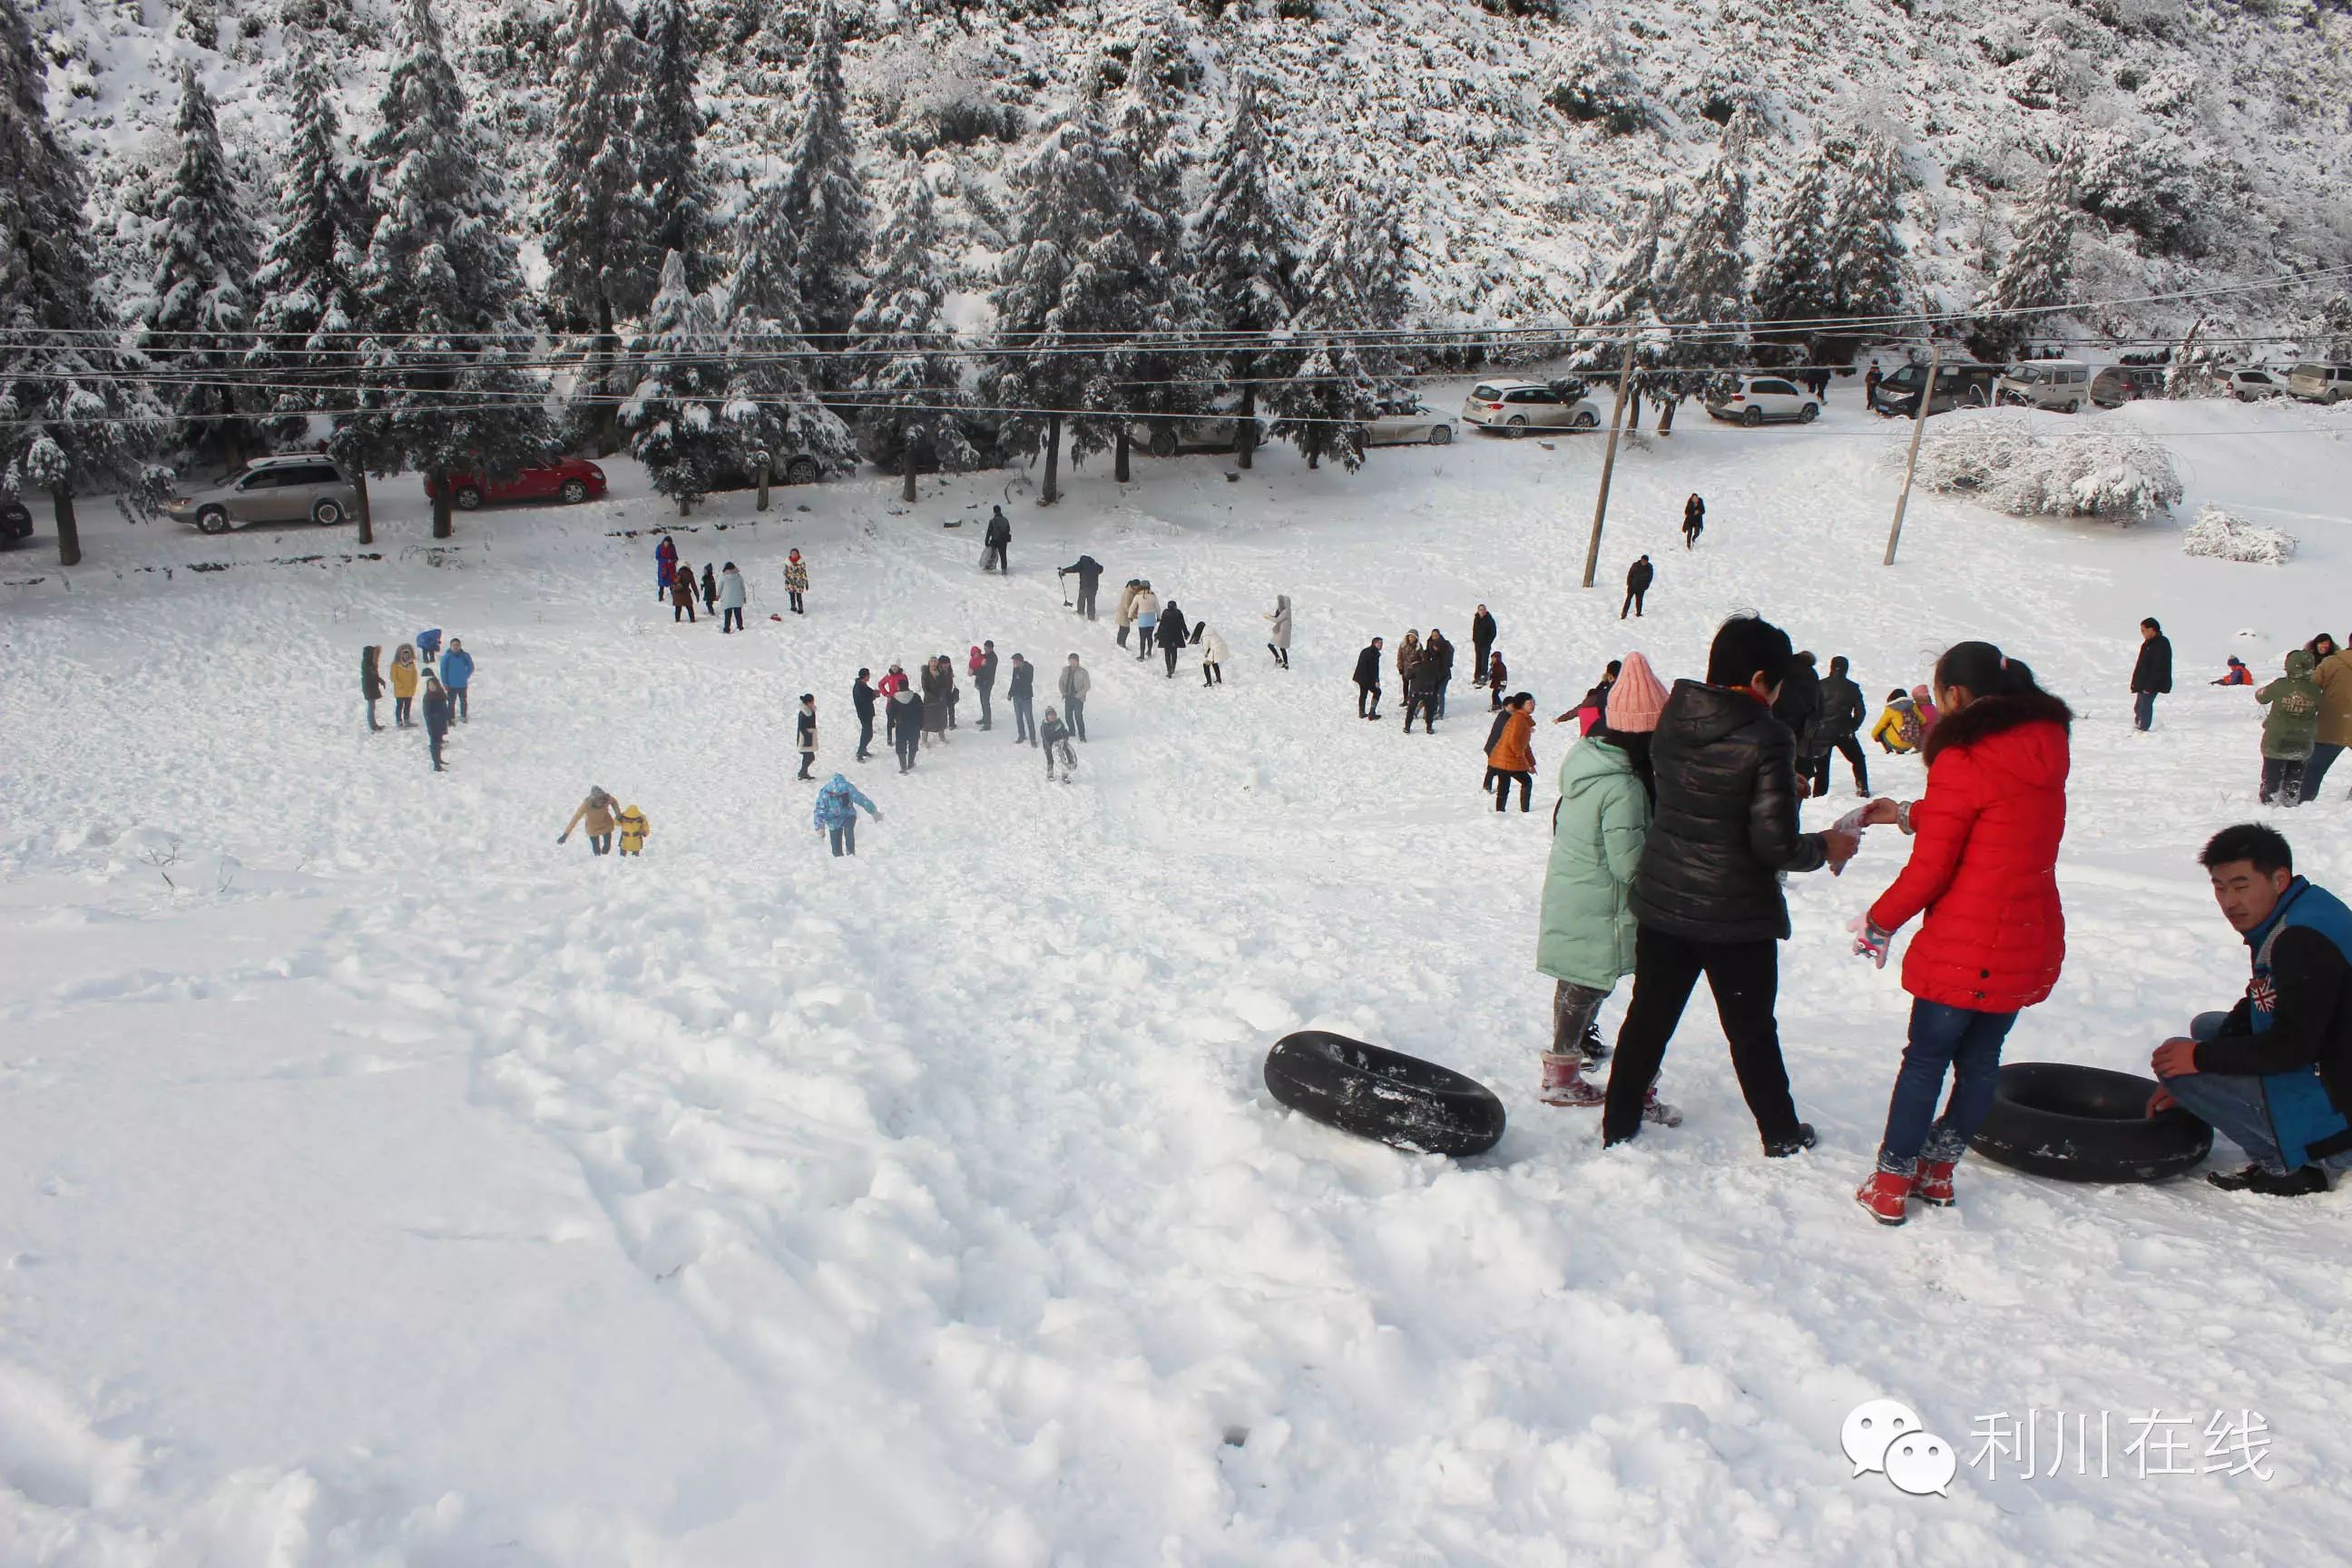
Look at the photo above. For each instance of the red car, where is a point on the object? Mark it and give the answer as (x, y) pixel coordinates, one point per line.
(569, 480)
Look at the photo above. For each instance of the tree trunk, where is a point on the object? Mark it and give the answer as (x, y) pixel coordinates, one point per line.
(1245, 435)
(606, 417)
(907, 467)
(1052, 490)
(685, 506)
(767, 463)
(1118, 466)
(367, 515)
(443, 523)
(68, 532)
(1666, 418)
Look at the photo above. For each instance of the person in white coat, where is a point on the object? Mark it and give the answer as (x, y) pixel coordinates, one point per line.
(1277, 640)
(1212, 656)
(1072, 687)
(730, 598)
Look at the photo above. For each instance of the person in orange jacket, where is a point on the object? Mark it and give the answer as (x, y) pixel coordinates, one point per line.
(1514, 756)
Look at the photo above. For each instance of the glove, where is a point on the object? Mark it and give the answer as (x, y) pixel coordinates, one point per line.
(1869, 940)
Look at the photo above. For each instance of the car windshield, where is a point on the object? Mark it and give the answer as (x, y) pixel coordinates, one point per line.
(2315, 370)
(1907, 376)
(2032, 374)
(1487, 393)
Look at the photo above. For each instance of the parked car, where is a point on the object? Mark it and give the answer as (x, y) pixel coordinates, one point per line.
(16, 523)
(1524, 405)
(1960, 384)
(2256, 381)
(2321, 382)
(1420, 425)
(569, 480)
(1751, 400)
(2121, 383)
(2062, 385)
(1194, 433)
(285, 488)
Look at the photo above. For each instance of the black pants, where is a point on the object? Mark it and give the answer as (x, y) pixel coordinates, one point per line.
(1281, 654)
(1849, 748)
(1633, 602)
(1503, 777)
(1690, 535)
(1425, 704)
(987, 720)
(677, 609)
(808, 761)
(1122, 637)
(734, 621)
(1024, 721)
(1478, 670)
(600, 844)
(910, 739)
(400, 707)
(795, 594)
(458, 707)
(1210, 674)
(1368, 701)
(1087, 601)
(1143, 636)
(865, 736)
(2282, 780)
(1171, 647)
(433, 742)
(1746, 979)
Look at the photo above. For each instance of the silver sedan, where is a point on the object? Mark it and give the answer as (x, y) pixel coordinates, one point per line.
(1420, 427)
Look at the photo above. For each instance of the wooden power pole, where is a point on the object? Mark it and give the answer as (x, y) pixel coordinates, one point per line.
(1609, 459)
(1911, 463)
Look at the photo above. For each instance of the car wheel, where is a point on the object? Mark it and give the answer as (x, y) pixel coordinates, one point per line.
(575, 491)
(1585, 419)
(1519, 422)
(1162, 443)
(1751, 417)
(467, 498)
(327, 513)
(2075, 407)
(802, 471)
(1441, 434)
(1810, 412)
(212, 520)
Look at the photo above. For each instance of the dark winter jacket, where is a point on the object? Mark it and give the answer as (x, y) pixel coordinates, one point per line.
(1798, 706)
(1368, 668)
(1089, 570)
(1639, 575)
(1000, 532)
(710, 585)
(681, 589)
(862, 696)
(986, 677)
(1726, 820)
(906, 708)
(1175, 632)
(2296, 1015)
(1843, 711)
(1438, 652)
(2291, 726)
(437, 711)
(1694, 515)
(805, 730)
(370, 683)
(2153, 670)
(1052, 732)
(1482, 631)
(1984, 858)
(1023, 681)
(938, 696)
(1427, 680)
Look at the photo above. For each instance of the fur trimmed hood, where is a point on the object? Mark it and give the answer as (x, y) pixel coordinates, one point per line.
(1989, 716)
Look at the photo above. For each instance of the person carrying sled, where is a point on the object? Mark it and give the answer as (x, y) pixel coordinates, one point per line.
(997, 543)
(1277, 637)
(796, 582)
(1983, 867)
(1368, 680)
(2274, 1074)
(1057, 737)
(1089, 573)
(1897, 730)
(1586, 933)
(371, 681)
(598, 815)
(2234, 674)
(633, 828)
(2290, 729)
(837, 803)
(404, 685)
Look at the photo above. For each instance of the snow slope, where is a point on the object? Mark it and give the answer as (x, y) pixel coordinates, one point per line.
(396, 1187)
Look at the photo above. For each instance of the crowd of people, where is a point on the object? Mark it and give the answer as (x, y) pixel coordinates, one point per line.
(446, 680)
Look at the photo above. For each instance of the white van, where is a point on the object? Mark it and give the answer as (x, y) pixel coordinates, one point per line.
(2063, 384)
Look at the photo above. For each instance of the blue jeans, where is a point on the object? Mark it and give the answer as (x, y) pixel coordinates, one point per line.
(1970, 1045)
(2323, 757)
(2143, 710)
(2238, 1105)
(845, 836)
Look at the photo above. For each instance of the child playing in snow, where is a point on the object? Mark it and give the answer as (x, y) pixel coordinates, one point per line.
(804, 734)
(1923, 701)
(837, 813)
(1497, 674)
(2237, 674)
(1055, 737)
(796, 579)
(403, 684)
(2290, 729)
(1588, 932)
(1898, 729)
(633, 828)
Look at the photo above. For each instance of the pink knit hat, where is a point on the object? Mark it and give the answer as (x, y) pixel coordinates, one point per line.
(1635, 700)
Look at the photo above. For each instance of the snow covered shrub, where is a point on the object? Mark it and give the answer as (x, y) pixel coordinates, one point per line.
(2217, 535)
(2036, 464)
(1596, 85)
(2154, 186)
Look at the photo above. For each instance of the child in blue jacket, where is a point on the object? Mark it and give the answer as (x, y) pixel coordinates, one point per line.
(836, 812)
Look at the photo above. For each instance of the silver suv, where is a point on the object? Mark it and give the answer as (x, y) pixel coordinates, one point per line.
(292, 488)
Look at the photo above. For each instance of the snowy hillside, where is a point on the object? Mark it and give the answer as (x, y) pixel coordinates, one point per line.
(2210, 131)
(383, 1186)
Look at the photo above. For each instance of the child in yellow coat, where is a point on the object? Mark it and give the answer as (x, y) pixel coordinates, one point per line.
(1898, 727)
(633, 828)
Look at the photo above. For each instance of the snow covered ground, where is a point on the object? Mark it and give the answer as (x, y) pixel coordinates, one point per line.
(396, 1187)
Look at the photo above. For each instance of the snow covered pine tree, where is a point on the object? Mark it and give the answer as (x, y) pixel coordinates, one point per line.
(905, 380)
(196, 326)
(595, 215)
(1245, 254)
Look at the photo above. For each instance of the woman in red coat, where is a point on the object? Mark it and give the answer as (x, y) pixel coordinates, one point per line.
(1984, 868)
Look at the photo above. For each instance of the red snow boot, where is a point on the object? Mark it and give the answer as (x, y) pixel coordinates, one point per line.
(1884, 1196)
(1935, 1182)
(1564, 1083)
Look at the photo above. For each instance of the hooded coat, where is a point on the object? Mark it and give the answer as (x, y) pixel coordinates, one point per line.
(938, 695)
(2291, 726)
(2334, 677)
(1279, 632)
(731, 589)
(1588, 926)
(1212, 648)
(837, 801)
(371, 682)
(404, 675)
(1984, 858)
(633, 828)
(1514, 750)
(1726, 823)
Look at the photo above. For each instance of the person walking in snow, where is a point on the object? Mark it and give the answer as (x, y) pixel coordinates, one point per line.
(457, 677)
(1482, 644)
(1898, 731)
(1126, 597)
(888, 688)
(1838, 732)
(1021, 690)
(710, 590)
(436, 718)
(805, 734)
(371, 681)
(1439, 652)
(1587, 939)
(681, 595)
(1089, 573)
(837, 804)
(1799, 707)
(1368, 680)
(1708, 897)
(1421, 693)
(1072, 689)
(596, 813)
(665, 566)
(1983, 867)
(1212, 655)
(1496, 674)
(1514, 752)
(1147, 620)
(1638, 578)
(1057, 745)
(905, 726)
(796, 582)
(861, 697)
(731, 599)
(633, 829)
(983, 679)
(2151, 673)
(404, 685)
(1277, 637)
(938, 699)
(1408, 659)
(1693, 520)
(2290, 729)
(998, 542)
(1174, 634)
(1494, 738)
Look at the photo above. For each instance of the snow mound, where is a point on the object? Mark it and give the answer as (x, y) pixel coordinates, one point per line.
(2038, 465)
(2226, 537)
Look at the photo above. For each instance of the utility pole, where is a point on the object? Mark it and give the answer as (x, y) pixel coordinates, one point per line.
(1609, 459)
(1911, 463)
